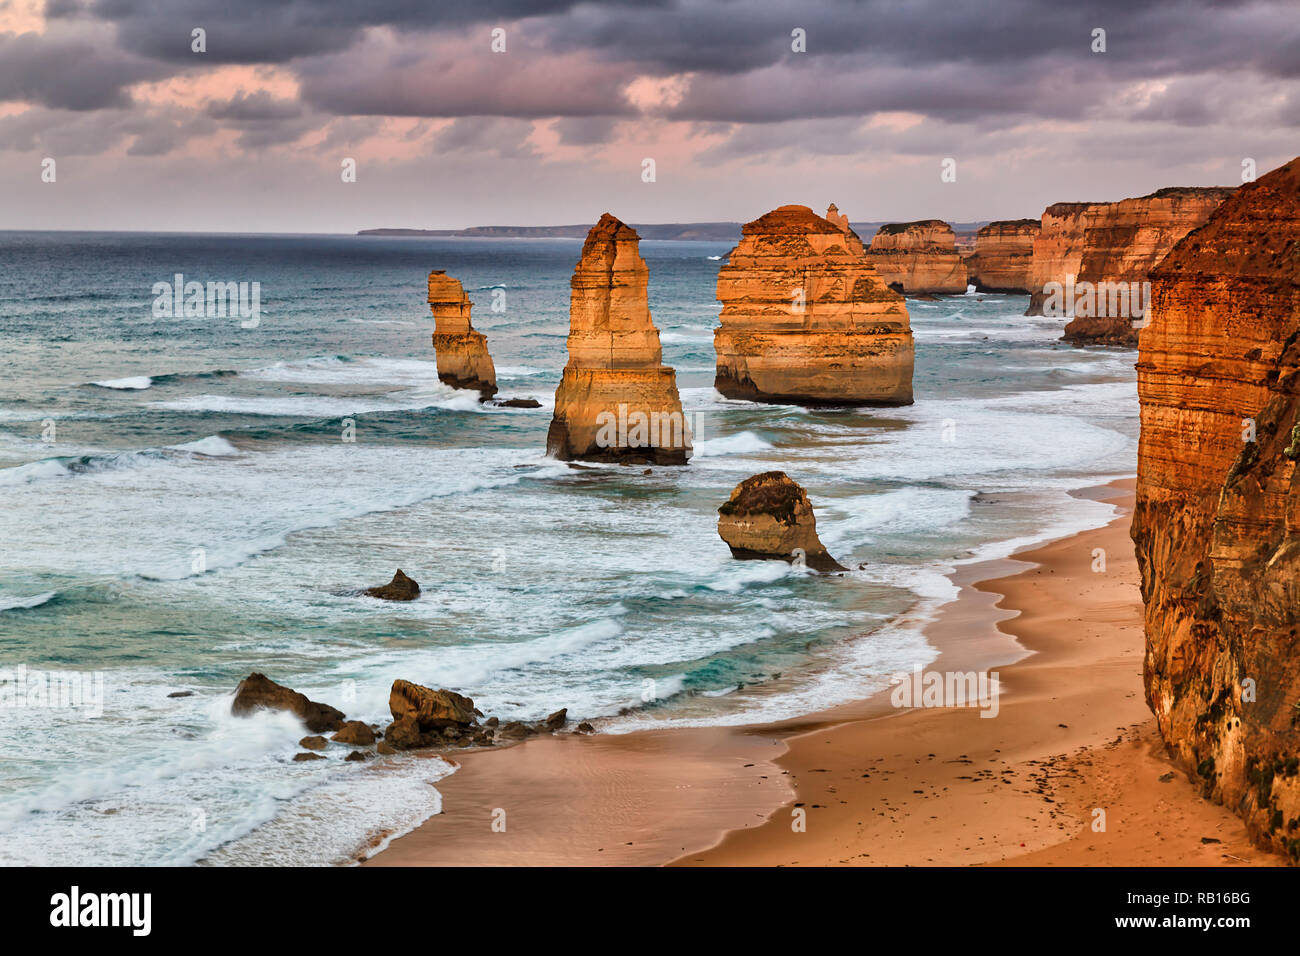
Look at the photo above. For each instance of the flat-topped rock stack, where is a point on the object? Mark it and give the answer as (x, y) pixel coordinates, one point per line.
(461, 353)
(1217, 522)
(617, 400)
(919, 258)
(1003, 256)
(1123, 241)
(806, 320)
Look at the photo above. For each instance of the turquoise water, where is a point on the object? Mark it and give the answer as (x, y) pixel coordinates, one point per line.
(198, 515)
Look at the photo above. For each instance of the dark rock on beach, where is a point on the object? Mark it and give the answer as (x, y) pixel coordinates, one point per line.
(259, 692)
(556, 720)
(401, 588)
(355, 732)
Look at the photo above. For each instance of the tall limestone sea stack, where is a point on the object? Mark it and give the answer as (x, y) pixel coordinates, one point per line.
(806, 320)
(1004, 253)
(617, 400)
(461, 353)
(1122, 242)
(1217, 522)
(919, 258)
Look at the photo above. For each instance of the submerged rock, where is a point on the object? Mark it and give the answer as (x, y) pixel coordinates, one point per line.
(313, 743)
(518, 403)
(259, 692)
(617, 400)
(401, 588)
(770, 516)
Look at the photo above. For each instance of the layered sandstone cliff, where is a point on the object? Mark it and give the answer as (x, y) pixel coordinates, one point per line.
(462, 355)
(919, 257)
(617, 400)
(806, 320)
(770, 516)
(1004, 252)
(1058, 251)
(1122, 243)
(1217, 524)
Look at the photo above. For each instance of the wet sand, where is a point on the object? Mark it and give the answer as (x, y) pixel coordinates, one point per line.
(871, 784)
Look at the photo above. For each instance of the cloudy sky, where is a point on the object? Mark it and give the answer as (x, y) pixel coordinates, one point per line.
(251, 134)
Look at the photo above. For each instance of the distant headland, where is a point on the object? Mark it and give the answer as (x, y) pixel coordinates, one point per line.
(680, 231)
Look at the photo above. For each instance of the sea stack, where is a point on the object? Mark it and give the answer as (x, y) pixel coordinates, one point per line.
(806, 320)
(1004, 252)
(1217, 522)
(462, 354)
(617, 400)
(1058, 250)
(769, 516)
(919, 258)
(1122, 242)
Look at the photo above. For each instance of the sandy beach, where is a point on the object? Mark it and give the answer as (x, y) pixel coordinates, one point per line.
(1070, 771)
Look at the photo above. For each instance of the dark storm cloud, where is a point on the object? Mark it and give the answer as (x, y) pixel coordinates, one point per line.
(71, 70)
(268, 31)
(998, 64)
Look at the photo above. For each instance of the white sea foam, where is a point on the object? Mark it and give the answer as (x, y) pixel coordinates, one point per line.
(22, 603)
(136, 382)
(739, 444)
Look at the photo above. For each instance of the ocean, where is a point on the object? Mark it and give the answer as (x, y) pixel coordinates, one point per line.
(187, 500)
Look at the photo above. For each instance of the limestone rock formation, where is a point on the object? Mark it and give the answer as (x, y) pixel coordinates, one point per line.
(919, 257)
(1058, 250)
(1004, 251)
(1122, 242)
(431, 709)
(1217, 523)
(401, 588)
(806, 320)
(617, 400)
(462, 354)
(259, 692)
(770, 516)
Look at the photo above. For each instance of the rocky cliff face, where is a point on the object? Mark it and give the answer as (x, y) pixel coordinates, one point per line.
(806, 320)
(1217, 523)
(1058, 250)
(617, 400)
(462, 355)
(919, 257)
(1122, 243)
(1003, 254)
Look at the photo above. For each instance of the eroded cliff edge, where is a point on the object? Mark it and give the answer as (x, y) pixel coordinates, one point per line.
(1003, 257)
(1122, 242)
(1217, 522)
